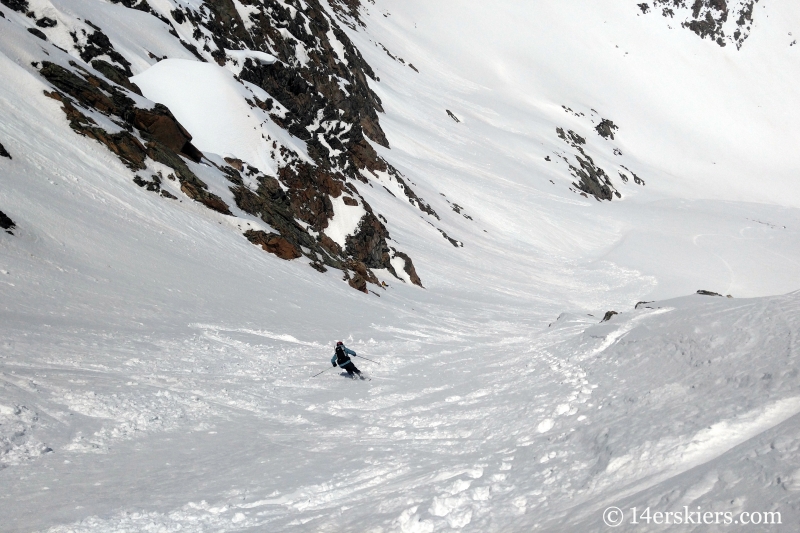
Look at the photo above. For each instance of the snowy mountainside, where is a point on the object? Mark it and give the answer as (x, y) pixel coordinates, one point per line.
(543, 164)
(313, 143)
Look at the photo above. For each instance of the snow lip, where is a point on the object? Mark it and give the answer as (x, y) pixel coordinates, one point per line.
(260, 57)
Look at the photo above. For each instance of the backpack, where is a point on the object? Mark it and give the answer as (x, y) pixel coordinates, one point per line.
(341, 357)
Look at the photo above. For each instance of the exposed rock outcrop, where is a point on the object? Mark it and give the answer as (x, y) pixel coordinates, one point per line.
(4, 152)
(47, 22)
(20, 6)
(606, 129)
(319, 92)
(591, 178)
(152, 133)
(703, 292)
(91, 45)
(608, 316)
(347, 11)
(409, 268)
(6, 223)
(320, 80)
(273, 243)
(722, 21)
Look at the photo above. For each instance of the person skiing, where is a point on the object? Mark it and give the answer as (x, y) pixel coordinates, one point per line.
(341, 358)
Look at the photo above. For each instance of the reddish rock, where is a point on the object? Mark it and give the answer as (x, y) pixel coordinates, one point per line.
(238, 164)
(358, 283)
(363, 272)
(408, 268)
(330, 245)
(274, 244)
(160, 123)
(365, 156)
(204, 197)
(368, 244)
(310, 188)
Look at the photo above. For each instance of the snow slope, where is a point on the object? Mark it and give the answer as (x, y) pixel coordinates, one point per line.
(696, 122)
(155, 366)
(209, 101)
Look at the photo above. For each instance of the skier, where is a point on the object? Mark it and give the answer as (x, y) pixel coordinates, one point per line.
(341, 357)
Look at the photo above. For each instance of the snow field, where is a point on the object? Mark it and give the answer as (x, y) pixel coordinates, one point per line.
(449, 436)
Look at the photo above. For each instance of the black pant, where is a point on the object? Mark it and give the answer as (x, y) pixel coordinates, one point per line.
(350, 367)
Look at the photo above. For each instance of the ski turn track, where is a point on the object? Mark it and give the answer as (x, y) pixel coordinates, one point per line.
(533, 431)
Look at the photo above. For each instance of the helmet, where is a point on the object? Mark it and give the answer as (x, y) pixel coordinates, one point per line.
(339, 343)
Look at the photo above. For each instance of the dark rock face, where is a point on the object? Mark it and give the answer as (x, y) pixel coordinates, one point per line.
(94, 93)
(46, 22)
(399, 59)
(413, 199)
(97, 43)
(272, 205)
(310, 77)
(711, 18)
(20, 6)
(368, 244)
(140, 5)
(570, 137)
(608, 316)
(310, 189)
(409, 268)
(6, 223)
(448, 238)
(606, 129)
(273, 243)
(37, 33)
(308, 200)
(155, 185)
(347, 11)
(116, 75)
(636, 179)
(4, 153)
(702, 292)
(160, 123)
(591, 178)
(328, 104)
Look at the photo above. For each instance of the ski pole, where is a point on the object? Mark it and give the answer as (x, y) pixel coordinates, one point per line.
(315, 375)
(362, 357)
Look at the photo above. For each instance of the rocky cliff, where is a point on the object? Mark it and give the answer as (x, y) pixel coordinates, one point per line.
(318, 91)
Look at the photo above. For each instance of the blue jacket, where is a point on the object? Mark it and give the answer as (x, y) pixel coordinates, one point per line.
(347, 352)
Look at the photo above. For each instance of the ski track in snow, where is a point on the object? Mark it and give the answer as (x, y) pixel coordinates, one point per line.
(453, 437)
